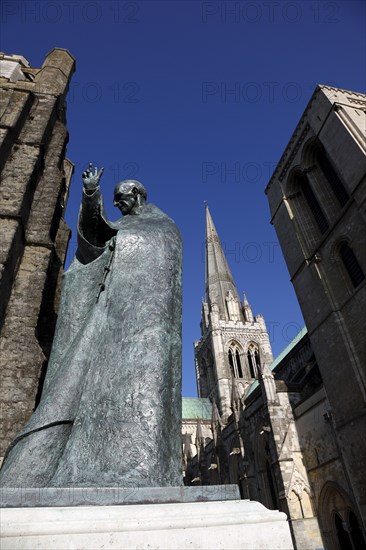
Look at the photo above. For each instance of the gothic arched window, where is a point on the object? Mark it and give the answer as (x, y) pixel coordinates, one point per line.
(351, 264)
(238, 363)
(332, 178)
(231, 360)
(234, 356)
(304, 208)
(355, 531)
(341, 524)
(313, 204)
(251, 365)
(342, 534)
(253, 360)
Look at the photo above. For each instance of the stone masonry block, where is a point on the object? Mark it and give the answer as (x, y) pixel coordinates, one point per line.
(18, 180)
(60, 59)
(51, 81)
(21, 355)
(11, 239)
(39, 124)
(46, 209)
(5, 139)
(14, 107)
(8, 230)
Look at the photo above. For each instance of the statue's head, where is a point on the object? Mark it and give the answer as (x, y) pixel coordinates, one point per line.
(129, 196)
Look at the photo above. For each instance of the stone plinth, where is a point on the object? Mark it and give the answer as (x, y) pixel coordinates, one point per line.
(27, 497)
(219, 525)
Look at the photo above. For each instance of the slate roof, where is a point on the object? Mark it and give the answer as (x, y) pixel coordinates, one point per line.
(196, 407)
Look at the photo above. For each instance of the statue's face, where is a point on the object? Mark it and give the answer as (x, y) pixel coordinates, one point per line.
(125, 199)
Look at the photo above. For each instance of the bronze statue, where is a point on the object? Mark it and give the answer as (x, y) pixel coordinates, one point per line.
(110, 411)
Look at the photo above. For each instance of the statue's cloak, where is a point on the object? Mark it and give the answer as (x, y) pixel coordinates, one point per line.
(110, 411)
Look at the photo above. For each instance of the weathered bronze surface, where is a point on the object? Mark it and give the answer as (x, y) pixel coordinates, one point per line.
(110, 412)
(35, 497)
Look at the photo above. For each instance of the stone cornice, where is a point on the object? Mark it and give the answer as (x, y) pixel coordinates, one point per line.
(294, 151)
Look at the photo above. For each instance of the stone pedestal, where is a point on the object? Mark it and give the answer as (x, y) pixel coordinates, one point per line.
(36, 497)
(200, 525)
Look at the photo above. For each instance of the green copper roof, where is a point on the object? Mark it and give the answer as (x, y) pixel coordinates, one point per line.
(281, 356)
(196, 407)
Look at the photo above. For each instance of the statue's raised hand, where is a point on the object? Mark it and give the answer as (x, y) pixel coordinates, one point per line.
(90, 179)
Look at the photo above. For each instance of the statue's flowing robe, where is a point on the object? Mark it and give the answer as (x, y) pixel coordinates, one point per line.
(110, 411)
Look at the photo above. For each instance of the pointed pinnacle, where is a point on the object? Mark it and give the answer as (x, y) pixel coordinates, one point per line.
(216, 419)
(198, 433)
(235, 397)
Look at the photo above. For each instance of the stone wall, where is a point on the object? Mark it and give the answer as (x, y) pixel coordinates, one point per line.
(35, 178)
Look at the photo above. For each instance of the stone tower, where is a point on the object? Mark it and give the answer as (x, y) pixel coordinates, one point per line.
(35, 177)
(317, 197)
(233, 343)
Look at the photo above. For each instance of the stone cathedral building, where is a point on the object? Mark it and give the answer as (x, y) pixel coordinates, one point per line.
(292, 431)
(289, 431)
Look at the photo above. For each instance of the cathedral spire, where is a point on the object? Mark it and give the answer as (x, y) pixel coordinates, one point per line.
(220, 287)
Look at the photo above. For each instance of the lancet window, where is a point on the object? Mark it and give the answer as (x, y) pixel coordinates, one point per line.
(340, 522)
(313, 204)
(324, 180)
(348, 533)
(305, 210)
(253, 360)
(351, 264)
(332, 178)
(235, 360)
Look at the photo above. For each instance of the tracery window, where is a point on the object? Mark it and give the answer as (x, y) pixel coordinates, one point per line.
(351, 264)
(234, 356)
(341, 525)
(253, 360)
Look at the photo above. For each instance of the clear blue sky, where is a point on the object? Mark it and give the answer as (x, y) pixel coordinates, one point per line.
(198, 101)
